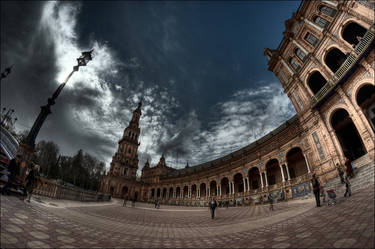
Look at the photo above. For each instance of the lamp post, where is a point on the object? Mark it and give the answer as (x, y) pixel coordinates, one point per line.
(46, 109)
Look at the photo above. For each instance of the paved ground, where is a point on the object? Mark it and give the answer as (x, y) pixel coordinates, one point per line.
(297, 224)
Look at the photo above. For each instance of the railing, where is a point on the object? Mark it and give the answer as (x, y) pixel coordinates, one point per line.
(53, 190)
(346, 66)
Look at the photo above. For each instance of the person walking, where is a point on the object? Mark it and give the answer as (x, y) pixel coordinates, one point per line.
(156, 204)
(316, 189)
(213, 206)
(270, 200)
(32, 181)
(349, 167)
(347, 185)
(341, 173)
(13, 168)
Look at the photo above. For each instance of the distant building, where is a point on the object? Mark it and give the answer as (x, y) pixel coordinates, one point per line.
(325, 63)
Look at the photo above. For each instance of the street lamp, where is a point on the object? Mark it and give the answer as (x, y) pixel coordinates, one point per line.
(46, 109)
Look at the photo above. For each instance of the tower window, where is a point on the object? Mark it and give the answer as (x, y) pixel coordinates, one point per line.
(300, 54)
(294, 64)
(311, 39)
(327, 11)
(321, 22)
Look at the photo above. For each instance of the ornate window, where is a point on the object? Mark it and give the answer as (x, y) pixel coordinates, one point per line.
(327, 11)
(311, 39)
(295, 64)
(321, 22)
(300, 54)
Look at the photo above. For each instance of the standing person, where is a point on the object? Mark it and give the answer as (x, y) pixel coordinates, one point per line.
(347, 185)
(13, 168)
(32, 181)
(341, 173)
(270, 200)
(213, 205)
(124, 203)
(156, 204)
(316, 189)
(349, 167)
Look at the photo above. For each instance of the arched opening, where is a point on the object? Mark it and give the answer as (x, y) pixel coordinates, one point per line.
(273, 172)
(202, 190)
(296, 163)
(254, 178)
(170, 194)
(295, 64)
(366, 100)
(164, 193)
(300, 54)
(158, 193)
(353, 33)
(194, 191)
(224, 186)
(334, 59)
(238, 183)
(124, 191)
(213, 188)
(153, 193)
(316, 82)
(186, 189)
(178, 192)
(347, 134)
(112, 190)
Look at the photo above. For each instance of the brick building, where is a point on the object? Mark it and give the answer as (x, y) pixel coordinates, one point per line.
(325, 63)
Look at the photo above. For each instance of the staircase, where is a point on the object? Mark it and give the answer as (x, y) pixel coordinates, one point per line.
(364, 169)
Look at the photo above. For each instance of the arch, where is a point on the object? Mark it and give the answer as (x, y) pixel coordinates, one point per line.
(153, 193)
(273, 172)
(213, 188)
(238, 183)
(124, 191)
(347, 134)
(202, 189)
(224, 183)
(178, 192)
(194, 190)
(321, 22)
(296, 162)
(316, 81)
(334, 59)
(158, 193)
(112, 190)
(170, 193)
(164, 193)
(185, 193)
(353, 33)
(365, 99)
(254, 178)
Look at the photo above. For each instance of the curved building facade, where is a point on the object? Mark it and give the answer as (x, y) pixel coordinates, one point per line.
(325, 63)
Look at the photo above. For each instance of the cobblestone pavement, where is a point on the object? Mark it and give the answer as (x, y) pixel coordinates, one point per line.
(296, 224)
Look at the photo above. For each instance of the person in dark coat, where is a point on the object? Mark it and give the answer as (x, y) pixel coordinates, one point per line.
(13, 168)
(270, 200)
(349, 168)
(32, 181)
(316, 189)
(213, 206)
(341, 173)
(347, 185)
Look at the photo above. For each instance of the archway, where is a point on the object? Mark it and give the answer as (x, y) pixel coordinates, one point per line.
(296, 163)
(202, 189)
(334, 59)
(224, 186)
(254, 178)
(112, 190)
(158, 193)
(164, 193)
(186, 189)
(366, 100)
(273, 172)
(213, 188)
(124, 191)
(170, 194)
(178, 192)
(347, 134)
(316, 82)
(194, 191)
(353, 33)
(238, 183)
(153, 193)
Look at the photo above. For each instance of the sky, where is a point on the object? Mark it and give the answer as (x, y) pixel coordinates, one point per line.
(198, 66)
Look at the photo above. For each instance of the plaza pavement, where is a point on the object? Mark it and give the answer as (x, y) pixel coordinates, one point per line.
(296, 224)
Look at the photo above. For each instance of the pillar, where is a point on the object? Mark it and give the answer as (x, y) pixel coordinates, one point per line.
(282, 172)
(244, 184)
(208, 192)
(261, 179)
(233, 188)
(265, 177)
(220, 190)
(248, 184)
(287, 171)
(307, 163)
(230, 187)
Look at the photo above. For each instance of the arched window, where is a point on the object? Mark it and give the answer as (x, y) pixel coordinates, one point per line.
(311, 39)
(300, 54)
(295, 64)
(353, 33)
(327, 11)
(334, 59)
(316, 82)
(321, 22)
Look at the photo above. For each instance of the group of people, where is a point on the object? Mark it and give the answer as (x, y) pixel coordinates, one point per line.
(126, 199)
(344, 178)
(14, 177)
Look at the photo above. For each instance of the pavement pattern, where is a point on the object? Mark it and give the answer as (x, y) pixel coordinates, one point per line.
(47, 223)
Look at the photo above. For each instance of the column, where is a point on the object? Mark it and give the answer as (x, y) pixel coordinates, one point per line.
(244, 184)
(307, 163)
(230, 187)
(199, 193)
(248, 184)
(261, 179)
(208, 192)
(287, 171)
(282, 172)
(219, 189)
(265, 177)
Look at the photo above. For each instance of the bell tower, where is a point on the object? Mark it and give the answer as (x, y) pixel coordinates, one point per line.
(125, 161)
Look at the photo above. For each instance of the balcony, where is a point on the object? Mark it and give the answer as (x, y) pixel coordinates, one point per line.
(350, 61)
